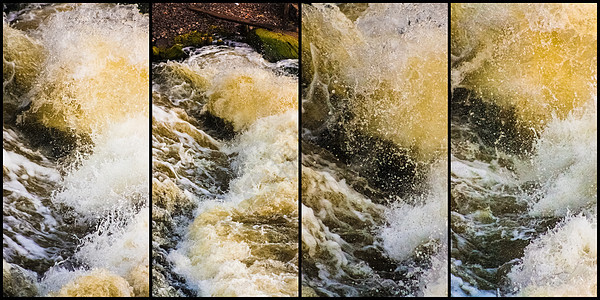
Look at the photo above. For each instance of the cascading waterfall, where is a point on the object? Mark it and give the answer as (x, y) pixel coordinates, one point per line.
(225, 174)
(374, 144)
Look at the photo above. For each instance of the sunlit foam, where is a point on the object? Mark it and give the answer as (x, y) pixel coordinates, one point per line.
(398, 90)
(536, 58)
(96, 72)
(234, 248)
(565, 162)
(97, 283)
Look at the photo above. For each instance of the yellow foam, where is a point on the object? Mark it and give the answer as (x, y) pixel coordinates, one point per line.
(22, 57)
(91, 78)
(410, 108)
(247, 245)
(398, 93)
(98, 283)
(139, 278)
(243, 96)
(539, 59)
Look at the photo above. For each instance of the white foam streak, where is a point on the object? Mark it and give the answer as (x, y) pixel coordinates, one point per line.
(566, 164)
(562, 262)
(220, 255)
(115, 175)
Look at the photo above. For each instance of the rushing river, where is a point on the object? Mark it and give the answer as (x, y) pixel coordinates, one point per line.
(225, 174)
(76, 148)
(374, 147)
(524, 149)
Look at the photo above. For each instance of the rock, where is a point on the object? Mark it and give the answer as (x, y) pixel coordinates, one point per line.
(144, 7)
(193, 38)
(274, 46)
(16, 282)
(173, 52)
(173, 49)
(307, 291)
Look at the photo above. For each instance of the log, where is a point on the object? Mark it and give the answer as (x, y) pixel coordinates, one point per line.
(234, 19)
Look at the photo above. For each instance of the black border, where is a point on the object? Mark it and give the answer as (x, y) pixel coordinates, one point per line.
(449, 152)
(151, 4)
(300, 149)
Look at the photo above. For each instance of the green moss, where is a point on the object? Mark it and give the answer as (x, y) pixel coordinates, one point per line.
(174, 52)
(193, 38)
(275, 46)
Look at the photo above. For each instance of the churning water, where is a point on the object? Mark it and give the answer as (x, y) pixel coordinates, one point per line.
(374, 166)
(524, 149)
(76, 148)
(374, 147)
(225, 174)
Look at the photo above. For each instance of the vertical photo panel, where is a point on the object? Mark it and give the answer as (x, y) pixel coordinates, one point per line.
(225, 149)
(374, 173)
(524, 149)
(76, 150)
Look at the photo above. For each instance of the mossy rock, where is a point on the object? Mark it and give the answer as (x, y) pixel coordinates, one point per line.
(274, 46)
(173, 52)
(167, 49)
(193, 38)
(16, 282)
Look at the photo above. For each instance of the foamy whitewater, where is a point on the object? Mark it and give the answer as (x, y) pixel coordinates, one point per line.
(76, 148)
(524, 150)
(225, 174)
(374, 142)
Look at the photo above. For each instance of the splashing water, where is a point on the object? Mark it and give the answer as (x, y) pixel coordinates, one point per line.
(374, 189)
(225, 140)
(76, 147)
(524, 149)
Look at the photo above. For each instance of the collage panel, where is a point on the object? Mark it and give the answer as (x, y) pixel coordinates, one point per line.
(299, 149)
(225, 149)
(524, 149)
(374, 89)
(75, 150)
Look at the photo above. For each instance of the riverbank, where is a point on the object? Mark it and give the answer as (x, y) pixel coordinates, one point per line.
(172, 20)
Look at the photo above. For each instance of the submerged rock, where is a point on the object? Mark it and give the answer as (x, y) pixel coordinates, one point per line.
(16, 282)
